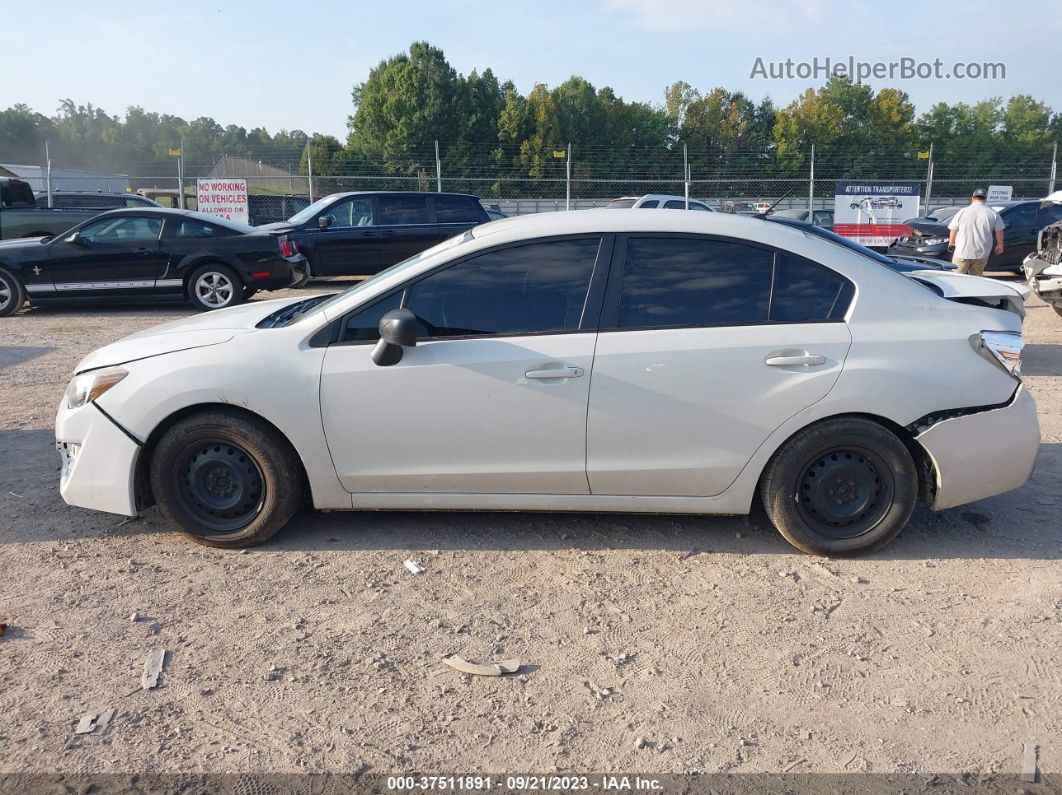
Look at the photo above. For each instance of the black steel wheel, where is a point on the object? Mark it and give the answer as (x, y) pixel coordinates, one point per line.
(844, 492)
(844, 486)
(220, 485)
(226, 478)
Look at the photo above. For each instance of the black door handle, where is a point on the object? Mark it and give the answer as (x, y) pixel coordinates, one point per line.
(368, 234)
(389, 232)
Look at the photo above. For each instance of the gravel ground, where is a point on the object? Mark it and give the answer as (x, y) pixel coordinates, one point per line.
(321, 652)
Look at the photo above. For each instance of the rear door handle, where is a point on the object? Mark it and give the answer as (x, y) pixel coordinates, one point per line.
(555, 372)
(799, 360)
(389, 232)
(368, 234)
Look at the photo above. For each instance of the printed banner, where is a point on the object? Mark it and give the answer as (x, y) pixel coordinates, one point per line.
(225, 198)
(872, 213)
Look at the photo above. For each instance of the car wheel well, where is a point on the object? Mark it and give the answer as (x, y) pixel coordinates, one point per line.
(144, 497)
(927, 474)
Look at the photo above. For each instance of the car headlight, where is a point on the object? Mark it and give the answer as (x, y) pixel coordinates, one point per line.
(933, 241)
(1002, 348)
(88, 386)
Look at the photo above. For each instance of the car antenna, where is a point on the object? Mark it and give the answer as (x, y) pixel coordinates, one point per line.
(767, 212)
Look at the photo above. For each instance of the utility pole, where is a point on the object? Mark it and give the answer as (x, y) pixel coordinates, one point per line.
(686, 173)
(1054, 170)
(929, 181)
(438, 168)
(48, 170)
(568, 180)
(811, 182)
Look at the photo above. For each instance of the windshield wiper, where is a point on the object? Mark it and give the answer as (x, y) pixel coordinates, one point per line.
(292, 312)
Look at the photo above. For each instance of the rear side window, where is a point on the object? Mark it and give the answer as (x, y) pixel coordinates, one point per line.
(197, 229)
(691, 282)
(16, 194)
(455, 210)
(694, 282)
(530, 289)
(648, 205)
(806, 292)
(1021, 216)
(675, 204)
(698, 206)
(402, 210)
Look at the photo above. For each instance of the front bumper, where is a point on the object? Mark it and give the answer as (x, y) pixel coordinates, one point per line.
(936, 251)
(98, 461)
(983, 454)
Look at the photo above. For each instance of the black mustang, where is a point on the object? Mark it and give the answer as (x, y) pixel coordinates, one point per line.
(151, 254)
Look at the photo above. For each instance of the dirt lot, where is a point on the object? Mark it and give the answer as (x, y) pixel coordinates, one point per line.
(320, 652)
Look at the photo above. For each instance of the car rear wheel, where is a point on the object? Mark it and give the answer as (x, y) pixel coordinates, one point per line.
(215, 286)
(12, 294)
(225, 479)
(842, 487)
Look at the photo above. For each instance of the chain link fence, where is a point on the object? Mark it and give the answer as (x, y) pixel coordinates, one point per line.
(519, 180)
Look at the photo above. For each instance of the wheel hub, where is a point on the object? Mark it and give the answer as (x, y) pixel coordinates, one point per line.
(220, 484)
(844, 493)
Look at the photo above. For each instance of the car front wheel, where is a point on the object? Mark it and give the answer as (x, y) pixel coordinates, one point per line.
(215, 286)
(842, 487)
(225, 479)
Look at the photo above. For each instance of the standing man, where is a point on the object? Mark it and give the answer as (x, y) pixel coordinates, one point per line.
(970, 235)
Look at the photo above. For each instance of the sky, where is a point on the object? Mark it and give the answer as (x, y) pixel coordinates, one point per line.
(279, 64)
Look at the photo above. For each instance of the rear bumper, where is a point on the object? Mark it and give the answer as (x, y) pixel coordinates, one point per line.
(98, 461)
(984, 454)
(933, 252)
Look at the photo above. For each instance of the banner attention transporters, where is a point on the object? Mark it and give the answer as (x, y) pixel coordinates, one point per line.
(224, 197)
(872, 213)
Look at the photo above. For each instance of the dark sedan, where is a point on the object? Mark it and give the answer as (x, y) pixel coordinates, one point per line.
(148, 254)
(359, 234)
(1024, 220)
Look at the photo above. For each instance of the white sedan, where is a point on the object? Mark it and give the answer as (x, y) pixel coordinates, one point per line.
(603, 360)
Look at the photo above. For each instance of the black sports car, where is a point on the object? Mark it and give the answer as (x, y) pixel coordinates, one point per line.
(149, 253)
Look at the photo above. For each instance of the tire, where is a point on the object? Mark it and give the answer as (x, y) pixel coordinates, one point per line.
(841, 487)
(215, 286)
(225, 479)
(12, 294)
(249, 293)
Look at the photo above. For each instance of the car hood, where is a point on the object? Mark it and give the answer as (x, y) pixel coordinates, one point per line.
(22, 243)
(276, 227)
(974, 289)
(924, 227)
(198, 331)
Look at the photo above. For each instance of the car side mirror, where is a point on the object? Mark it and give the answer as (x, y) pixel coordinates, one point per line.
(75, 239)
(324, 221)
(398, 330)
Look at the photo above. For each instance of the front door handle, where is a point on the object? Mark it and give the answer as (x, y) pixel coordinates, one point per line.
(368, 234)
(555, 372)
(795, 360)
(389, 232)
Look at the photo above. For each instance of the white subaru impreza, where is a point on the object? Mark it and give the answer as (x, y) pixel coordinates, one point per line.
(611, 360)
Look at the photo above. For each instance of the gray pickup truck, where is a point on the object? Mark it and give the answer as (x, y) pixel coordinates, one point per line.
(20, 215)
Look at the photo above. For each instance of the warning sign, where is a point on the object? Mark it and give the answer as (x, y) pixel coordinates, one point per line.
(225, 198)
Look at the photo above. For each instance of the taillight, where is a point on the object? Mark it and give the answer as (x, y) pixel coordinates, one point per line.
(287, 247)
(1002, 348)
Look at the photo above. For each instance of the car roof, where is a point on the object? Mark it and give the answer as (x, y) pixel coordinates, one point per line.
(345, 194)
(603, 220)
(93, 193)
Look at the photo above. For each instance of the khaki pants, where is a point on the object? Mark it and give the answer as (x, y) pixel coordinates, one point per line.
(975, 267)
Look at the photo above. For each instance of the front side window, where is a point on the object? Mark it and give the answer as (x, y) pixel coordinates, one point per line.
(531, 289)
(651, 204)
(363, 325)
(122, 230)
(1021, 217)
(698, 206)
(403, 210)
(693, 282)
(455, 210)
(675, 204)
(350, 213)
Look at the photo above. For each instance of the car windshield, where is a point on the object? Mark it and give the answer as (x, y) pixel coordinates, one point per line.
(305, 214)
(452, 242)
(943, 214)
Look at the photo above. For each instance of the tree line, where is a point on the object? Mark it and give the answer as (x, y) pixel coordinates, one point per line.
(491, 133)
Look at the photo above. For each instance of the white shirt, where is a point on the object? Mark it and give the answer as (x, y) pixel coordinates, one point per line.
(975, 226)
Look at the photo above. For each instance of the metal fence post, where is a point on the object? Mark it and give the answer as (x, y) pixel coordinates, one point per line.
(929, 181)
(686, 173)
(48, 170)
(568, 180)
(1054, 169)
(811, 181)
(309, 168)
(438, 168)
(180, 176)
